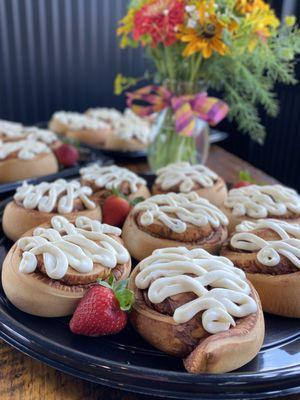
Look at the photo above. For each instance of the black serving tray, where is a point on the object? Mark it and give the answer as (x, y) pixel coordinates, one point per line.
(125, 361)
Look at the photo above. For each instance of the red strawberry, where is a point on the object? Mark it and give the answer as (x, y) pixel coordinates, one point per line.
(115, 210)
(102, 309)
(241, 184)
(67, 154)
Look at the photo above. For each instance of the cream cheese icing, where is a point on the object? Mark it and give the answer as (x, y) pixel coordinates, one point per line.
(185, 175)
(111, 177)
(105, 114)
(262, 201)
(269, 251)
(42, 135)
(25, 149)
(11, 130)
(77, 121)
(176, 210)
(60, 195)
(78, 246)
(222, 290)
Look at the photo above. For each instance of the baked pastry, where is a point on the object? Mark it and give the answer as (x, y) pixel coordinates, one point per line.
(182, 177)
(35, 204)
(254, 202)
(174, 219)
(109, 115)
(42, 135)
(80, 127)
(25, 159)
(104, 179)
(48, 270)
(129, 131)
(268, 251)
(10, 131)
(199, 307)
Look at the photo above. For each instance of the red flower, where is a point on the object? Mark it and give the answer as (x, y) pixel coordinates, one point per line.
(159, 20)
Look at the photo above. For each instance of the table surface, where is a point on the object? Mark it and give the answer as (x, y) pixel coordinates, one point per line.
(22, 378)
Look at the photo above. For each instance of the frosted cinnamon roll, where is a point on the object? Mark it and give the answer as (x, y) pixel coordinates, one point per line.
(199, 307)
(104, 179)
(182, 177)
(33, 205)
(80, 127)
(42, 135)
(130, 133)
(47, 271)
(108, 115)
(174, 219)
(256, 202)
(25, 159)
(11, 131)
(268, 251)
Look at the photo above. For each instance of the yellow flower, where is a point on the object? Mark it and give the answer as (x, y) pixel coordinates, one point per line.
(290, 20)
(126, 27)
(248, 6)
(206, 37)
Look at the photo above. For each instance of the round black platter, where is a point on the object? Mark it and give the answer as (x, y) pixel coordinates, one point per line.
(127, 362)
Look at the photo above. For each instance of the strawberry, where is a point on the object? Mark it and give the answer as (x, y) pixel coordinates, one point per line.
(241, 184)
(102, 310)
(245, 180)
(116, 207)
(67, 155)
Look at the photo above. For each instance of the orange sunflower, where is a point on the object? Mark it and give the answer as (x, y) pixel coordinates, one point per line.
(206, 37)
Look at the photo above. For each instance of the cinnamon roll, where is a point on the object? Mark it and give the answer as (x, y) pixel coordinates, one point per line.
(80, 127)
(129, 131)
(174, 219)
(25, 159)
(103, 180)
(42, 135)
(268, 251)
(182, 177)
(255, 202)
(48, 270)
(199, 307)
(33, 205)
(11, 131)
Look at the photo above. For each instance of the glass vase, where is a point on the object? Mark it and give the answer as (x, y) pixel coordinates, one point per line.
(167, 145)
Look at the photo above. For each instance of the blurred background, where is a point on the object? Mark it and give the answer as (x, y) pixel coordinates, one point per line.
(64, 55)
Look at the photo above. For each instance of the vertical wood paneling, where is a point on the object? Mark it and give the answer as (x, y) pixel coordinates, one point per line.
(64, 54)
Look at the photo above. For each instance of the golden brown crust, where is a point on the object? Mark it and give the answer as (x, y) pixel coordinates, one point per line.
(216, 194)
(141, 244)
(114, 142)
(39, 295)
(222, 352)
(17, 219)
(234, 220)
(92, 137)
(14, 169)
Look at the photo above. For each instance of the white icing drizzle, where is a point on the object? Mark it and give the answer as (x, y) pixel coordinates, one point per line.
(110, 115)
(126, 126)
(26, 149)
(77, 121)
(77, 246)
(11, 130)
(131, 126)
(59, 194)
(269, 251)
(262, 201)
(185, 175)
(176, 210)
(168, 272)
(111, 177)
(43, 135)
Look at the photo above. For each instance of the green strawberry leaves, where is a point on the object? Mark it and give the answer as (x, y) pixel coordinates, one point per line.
(124, 295)
(116, 192)
(246, 176)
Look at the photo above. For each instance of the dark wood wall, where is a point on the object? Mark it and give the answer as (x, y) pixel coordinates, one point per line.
(63, 54)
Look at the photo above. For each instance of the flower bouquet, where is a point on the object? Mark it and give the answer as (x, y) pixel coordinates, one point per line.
(237, 48)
